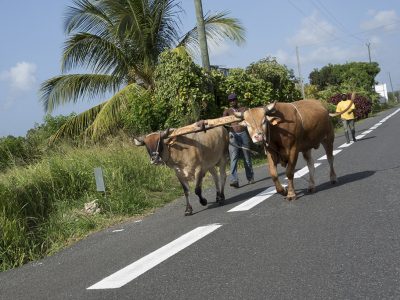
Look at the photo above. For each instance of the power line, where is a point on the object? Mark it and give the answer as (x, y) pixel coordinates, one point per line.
(359, 32)
(305, 15)
(325, 11)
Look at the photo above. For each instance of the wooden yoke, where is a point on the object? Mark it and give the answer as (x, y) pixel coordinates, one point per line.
(204, 125)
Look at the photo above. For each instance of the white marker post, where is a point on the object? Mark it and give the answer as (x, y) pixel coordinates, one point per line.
(98, 175)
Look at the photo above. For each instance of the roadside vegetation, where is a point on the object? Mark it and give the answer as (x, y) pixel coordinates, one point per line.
(46, 177)
(42, 204)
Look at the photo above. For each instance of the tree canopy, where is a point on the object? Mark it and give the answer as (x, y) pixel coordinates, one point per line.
(352, 75)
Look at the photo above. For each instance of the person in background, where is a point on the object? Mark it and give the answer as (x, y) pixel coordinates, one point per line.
(348, 117)
(238, 137)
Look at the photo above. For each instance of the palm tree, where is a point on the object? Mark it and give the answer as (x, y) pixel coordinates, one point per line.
(119, 41)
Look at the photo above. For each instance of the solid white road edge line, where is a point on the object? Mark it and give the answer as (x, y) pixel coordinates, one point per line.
(130, 272)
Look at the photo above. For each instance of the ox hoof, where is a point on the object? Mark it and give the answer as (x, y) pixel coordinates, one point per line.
(291, 197)
(203, 201)
(189, 211)
(283, 192)
(220, 199)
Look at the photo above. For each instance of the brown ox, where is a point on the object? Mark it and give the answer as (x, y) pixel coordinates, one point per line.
(286, 129)
(191, 156)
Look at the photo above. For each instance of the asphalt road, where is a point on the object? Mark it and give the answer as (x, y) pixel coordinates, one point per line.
(342, 242)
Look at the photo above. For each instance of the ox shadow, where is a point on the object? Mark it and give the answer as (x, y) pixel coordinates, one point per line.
(239, 197)
(366, 138)
(247, 193)
(341, 181)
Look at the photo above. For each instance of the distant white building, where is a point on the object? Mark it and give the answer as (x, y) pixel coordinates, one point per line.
(382, 91)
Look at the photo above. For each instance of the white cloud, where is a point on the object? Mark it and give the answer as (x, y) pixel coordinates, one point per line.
(16, 82)
(21, 77)
(312, 30)
(387, 20)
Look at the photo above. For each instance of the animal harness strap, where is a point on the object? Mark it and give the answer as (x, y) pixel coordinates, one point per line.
(301, 118)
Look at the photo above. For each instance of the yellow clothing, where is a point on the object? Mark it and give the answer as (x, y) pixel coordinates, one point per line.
(349, 114)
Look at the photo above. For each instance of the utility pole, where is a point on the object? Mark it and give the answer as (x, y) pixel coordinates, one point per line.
(202, 35)
(300, 78)
(369, 51)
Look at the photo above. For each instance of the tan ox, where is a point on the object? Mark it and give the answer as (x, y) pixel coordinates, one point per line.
(191, 156)
(286, 129)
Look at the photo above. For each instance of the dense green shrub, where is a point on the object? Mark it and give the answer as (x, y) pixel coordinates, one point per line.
(281, 80)
(139, 116)
(260, 83)
(21, 151)
(13, 151)
(251, 91)
(183, 91)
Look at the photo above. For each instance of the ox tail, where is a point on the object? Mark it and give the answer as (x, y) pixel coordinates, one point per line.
(353, 96)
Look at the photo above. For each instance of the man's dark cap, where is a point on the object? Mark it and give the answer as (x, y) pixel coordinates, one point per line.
(232, 97)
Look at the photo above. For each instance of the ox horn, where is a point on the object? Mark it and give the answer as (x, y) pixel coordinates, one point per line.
(165, 134)
(139, 141)
(270, 108)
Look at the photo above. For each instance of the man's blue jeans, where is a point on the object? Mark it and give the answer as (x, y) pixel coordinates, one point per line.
(240, 140)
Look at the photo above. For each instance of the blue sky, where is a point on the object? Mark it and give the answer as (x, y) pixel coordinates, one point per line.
(325, 31)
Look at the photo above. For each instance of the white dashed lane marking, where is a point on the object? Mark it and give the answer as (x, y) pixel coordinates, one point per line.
(130, 272)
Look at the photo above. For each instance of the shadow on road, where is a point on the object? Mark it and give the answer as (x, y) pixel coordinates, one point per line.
(341, 181)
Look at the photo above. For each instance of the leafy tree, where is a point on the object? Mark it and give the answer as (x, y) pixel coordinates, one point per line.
(183, 91)
(281, 79)
(327, 76)
(251, 91)
(350, 76)
(182, 94)
(120, 43)
(311, 91)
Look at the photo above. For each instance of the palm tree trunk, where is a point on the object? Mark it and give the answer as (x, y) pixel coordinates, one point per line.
(202, 35)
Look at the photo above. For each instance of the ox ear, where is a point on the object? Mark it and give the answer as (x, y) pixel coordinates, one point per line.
(270, 108)
(139, 141)
(274, 120)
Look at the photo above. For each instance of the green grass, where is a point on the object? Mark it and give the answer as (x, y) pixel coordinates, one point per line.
(41, 206)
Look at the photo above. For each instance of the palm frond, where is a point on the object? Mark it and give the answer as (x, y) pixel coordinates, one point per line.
(86, 16)
(77, 125)
(99, 120)
(109, 118)
(218, 27)
(70, 88)
(91, 51)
